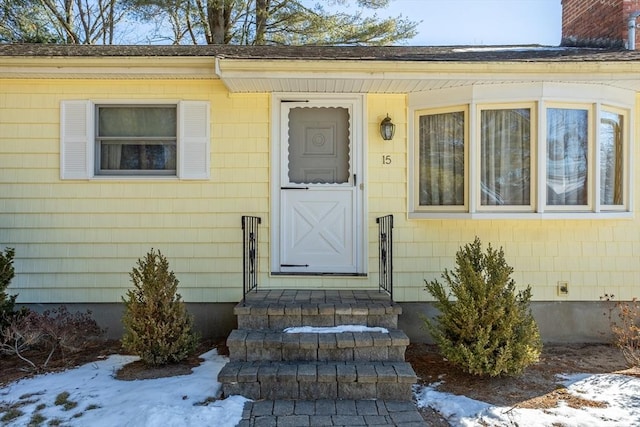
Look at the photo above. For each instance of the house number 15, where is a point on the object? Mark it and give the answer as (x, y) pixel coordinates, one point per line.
(386, 159)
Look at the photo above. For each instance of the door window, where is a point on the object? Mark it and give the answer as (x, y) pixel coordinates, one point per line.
(318, 145)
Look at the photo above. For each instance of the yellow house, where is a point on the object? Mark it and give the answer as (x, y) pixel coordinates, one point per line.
(109, 151)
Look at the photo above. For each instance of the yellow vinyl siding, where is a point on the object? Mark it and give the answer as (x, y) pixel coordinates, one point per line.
(76, 241)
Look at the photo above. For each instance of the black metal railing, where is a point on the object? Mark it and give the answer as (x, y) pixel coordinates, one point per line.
(249, 254)
(385, 253)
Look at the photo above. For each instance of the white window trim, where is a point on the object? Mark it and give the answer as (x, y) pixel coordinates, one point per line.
(601, 97)
(415, 187)
(626, 155)
(477, 148)
(77, 141)
(592, 131)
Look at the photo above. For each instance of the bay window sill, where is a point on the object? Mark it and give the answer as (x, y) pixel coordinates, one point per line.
(523, 215)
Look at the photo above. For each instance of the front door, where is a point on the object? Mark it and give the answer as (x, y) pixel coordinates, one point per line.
(320, 199)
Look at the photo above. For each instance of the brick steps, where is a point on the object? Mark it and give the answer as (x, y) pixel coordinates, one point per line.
(268, 363)
(279, 315)
(318, 380)
(252, 345)
(325, 412)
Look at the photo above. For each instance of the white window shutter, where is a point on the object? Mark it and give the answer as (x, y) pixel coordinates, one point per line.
(76, 158)
(194, 136)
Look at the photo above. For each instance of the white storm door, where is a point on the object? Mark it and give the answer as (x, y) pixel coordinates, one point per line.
(318, 191)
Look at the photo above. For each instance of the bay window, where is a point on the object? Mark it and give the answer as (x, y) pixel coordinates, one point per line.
(531, 158)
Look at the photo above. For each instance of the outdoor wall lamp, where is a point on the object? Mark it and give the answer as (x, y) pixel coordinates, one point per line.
(387, 128)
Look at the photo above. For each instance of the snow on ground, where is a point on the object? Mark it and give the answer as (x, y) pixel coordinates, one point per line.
(103, 401)
(619, 392)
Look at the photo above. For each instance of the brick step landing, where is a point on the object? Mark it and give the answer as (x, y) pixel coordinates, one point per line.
(254, 345)
(326, 412)
(280, 314)
(318, 380)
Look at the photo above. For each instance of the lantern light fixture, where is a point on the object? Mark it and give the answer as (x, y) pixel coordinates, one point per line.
(387, 128)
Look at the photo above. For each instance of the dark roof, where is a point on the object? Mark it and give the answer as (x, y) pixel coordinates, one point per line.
(532, 53)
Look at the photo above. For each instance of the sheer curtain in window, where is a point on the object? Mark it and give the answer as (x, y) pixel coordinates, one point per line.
(567, 156)
(505, 157)
(137, 138)
(611, 158)
(441, 159)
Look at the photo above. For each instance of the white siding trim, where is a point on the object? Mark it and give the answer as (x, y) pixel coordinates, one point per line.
(76, 148)
(194, 140)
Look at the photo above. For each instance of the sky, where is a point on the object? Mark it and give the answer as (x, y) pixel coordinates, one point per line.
(97, 399)
(481, 22)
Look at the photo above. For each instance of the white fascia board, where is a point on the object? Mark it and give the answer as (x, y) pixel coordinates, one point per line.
(111, 67)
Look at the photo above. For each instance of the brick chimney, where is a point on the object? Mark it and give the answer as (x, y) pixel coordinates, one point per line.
(598, 23)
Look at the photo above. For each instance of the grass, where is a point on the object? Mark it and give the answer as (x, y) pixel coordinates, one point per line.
(11, 411)
(36, 420)
(63, 400)
(11, 414)
(28, 395)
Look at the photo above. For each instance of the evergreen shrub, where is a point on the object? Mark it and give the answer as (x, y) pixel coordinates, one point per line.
(157, 325)
(488, 328)
(7, 302)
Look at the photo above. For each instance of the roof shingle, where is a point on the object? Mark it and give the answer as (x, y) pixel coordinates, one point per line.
(531, 53)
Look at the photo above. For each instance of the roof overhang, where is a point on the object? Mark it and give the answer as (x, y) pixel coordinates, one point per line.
(108, 67)
(242, 75)
(247, 76)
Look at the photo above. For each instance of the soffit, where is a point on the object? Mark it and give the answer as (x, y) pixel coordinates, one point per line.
(244, 76)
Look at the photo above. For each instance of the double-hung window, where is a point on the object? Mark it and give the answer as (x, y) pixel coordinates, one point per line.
(530, 157)
(136, 140)
(133, 140)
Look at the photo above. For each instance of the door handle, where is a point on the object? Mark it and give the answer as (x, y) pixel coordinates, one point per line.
(294, 188)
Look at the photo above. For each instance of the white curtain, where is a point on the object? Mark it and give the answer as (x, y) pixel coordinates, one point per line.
(441, 159)
(505, 157)
(567, 156)
(137, 137)
(611, 158)
(110, 156)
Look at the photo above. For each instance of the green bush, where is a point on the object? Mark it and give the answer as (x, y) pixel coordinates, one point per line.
(488, 329)
(7, 301)
(157, 325)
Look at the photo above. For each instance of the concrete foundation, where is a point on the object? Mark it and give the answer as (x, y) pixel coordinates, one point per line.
(559, 322)
(211, 320)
